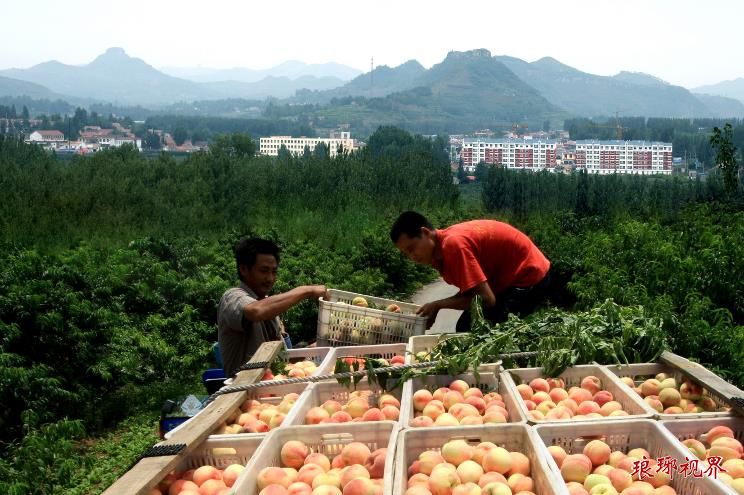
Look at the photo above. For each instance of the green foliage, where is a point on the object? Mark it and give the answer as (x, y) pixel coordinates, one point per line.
(723, 142)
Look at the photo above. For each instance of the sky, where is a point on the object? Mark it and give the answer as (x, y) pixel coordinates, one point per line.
(684, 42)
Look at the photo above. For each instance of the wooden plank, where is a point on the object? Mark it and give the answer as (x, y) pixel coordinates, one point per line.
(706, 378)
(147, 473)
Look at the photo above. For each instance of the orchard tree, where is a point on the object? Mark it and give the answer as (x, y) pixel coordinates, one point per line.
(722, 142)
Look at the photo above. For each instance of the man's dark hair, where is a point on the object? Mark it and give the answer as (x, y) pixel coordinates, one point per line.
(248, 249)
(409, 223)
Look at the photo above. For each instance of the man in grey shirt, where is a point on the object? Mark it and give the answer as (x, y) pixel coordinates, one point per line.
(247, 315)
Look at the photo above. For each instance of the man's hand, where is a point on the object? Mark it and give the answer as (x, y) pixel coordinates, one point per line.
(316, 291)
(429, 311)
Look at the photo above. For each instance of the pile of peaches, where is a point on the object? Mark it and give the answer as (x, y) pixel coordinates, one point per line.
(665, 395)
(720, 441)
(255, 416)
(457, 404)
(356, 409)
(549, 400)
(463, 469)
(354, 471)
(205, 480)
(300, 369)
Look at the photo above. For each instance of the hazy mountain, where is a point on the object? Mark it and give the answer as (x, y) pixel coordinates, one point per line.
(732, 89)
(277, 87)
(466, 91)
(17, 87)
(722, 106)
(586, 94)
(292, 69)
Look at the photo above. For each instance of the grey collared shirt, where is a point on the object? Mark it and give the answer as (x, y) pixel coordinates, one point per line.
(239, 338)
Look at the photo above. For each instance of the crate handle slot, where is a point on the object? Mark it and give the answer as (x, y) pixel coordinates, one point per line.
(332, 438)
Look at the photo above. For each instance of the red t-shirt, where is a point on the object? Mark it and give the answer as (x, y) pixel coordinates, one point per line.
(487, 250)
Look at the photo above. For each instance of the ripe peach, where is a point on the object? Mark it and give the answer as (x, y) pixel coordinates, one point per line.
(603, 489)
(457, 451)
(473, 392)
(387, 400)
(273, 489)
(182, 485)
(598, 452)
(520, 464)
(738, 485)
(734, 467)
(434, 409)
(332, 478)
(615, 458)
(468, 488)
(604, 469)
(669, 397)
(535, 415)
(519, 482)
(357, 407)
(496, 488)
(231, 473)
(690, 391)
(257, 426)
(477, 402)
(558, 394)
(272, 476)
(446, 419)
(556, 383)
(628, 381)
(421, 421)
(390, 413)
(558, 454)
(731, 443)
(576, 467)
(319, 460)
(204, 473)
(326, 490)
(592, 384)
(654, 403)
(460, 410)
(421, 398)
(428, 460)
(610, 407)
(724, 452)
(546, 406)
(309, 472)
(373, 414)
(212, 486)
(696, 447)
(540, 384)
(539, 397)
(497, 459)
(588, 407)
(717, 432)
(293, 454)
(418, 489)
(439, 393)
(575, 488)
(570, 404)
(277, 420)
(650, 387)
(620, 479)
(299, 488)
(340, 417)
(451, 398)
(355, 453)
(469, 471)
(530, 405)
(418, 478)
(353, 472)
(292, 473)
(525, 391)
(593, 480)
(659, 478)
(602, 397)
(495, 417)
(580, 395)
(459, 386)
(471, 420)
(559, 413)
(480, 450)
(491, 477)
(332, 406)
(442, 481)
(639, 453)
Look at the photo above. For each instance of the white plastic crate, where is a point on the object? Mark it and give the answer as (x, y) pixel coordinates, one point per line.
(488, 382)
(341, 324)
(513, 437)
(321, 356)
(652, 369)
(320, 392)
(277, 391)
(328, 439)
(682, 429)
(631, 402)
(625, 435)
(425, 343)
(381, 351)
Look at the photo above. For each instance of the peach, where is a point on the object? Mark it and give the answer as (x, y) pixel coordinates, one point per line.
(570, 404)
(309, 472)
(231, 473)
(602, 397)
(353, 472)
(457, 451)
(655, 404)
(387, 400)
(299, 488)
(418, 478)
(540, 396)
(659, 478)
(273, 476)
(592, 384)
(182, 485)
(540, 384)
(667, 383)
(468, 488)
(276, 420)
(556, 383)
(575, 488)
(418, 489)
(439, 393)
(639, 453)
(729, 442)
(576, 467)
(535, 415)
(471, 421)
(204, 473)
(428, 460)
(480, 451)
(603, 489)
(530, 405)
(293, 454)
(690, 391)
(665, 490)
(598, 452)
(461, 410)
(340, 417)
(610, 407)
(650, 387)
(473, 392)
(558, 454)
(588, 407)
(546, 406)
(446, 419)
(477, 402)
(292, 473)
(273, 489)
(469, 471)
(326, 490)
(497, 459)
(421, 398)
(491, 477)
(355, 453)
(434, 409)
(669, 397)
(451, 398)
(319, 460)
(496, 488)
(330, 478)
(725, 453)
(442, 481)
(212, 486)
(628, 381)
(593, 480)
(373, 414)
(520, 464)
(459, 386)
(738, 485)
(620, 479)
(615, 457)
(421, 421)
(604, 469)
(332, 406)
(580, 395)
(734, 467)
(518, 482)
(495, 417)
(558, 394)
(357, 407)
(717, 432)
(525, 391)
(390, 413)
(559, 413)
(696, 447)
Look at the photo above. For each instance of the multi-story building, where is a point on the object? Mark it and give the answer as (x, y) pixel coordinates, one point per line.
(46, 137)
(523, 154)
(624, 157)
(341, 140)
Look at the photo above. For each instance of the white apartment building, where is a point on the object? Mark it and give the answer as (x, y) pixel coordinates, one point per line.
(522, 154)
(624, 157)
(271, 145)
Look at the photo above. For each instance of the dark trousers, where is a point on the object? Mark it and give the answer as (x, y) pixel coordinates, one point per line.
(521, 301)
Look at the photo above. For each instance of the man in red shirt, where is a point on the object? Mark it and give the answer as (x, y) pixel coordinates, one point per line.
(481, 257)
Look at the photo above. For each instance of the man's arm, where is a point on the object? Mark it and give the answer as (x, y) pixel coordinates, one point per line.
(272, 306)
(459, 301)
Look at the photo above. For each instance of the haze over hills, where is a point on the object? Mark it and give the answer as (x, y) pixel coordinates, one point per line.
(470, 89)
(292, 69)
(731, 89)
